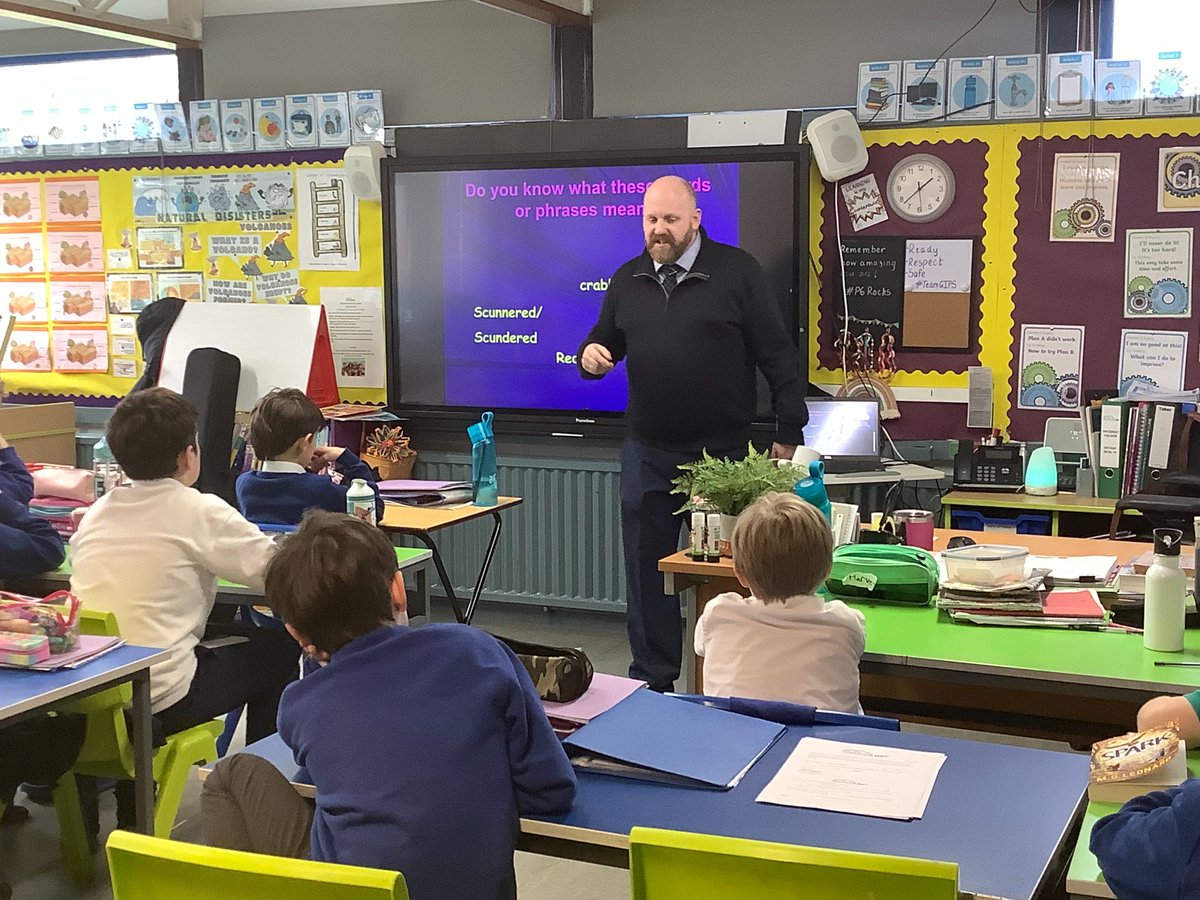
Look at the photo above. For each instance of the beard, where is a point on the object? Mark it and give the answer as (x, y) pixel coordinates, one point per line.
(670, 249)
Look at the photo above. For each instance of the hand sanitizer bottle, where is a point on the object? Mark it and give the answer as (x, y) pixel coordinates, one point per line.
(360, 501)
(1165, 595)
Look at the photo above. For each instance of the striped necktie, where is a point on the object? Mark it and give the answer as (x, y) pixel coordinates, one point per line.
(670, 276)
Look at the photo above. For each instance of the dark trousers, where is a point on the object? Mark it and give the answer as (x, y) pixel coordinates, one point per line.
(252, 673)
(650, 530)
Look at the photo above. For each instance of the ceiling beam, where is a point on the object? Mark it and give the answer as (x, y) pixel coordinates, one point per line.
(63, 15)
(541, 11)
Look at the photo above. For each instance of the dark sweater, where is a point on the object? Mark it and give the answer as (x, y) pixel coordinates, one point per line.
(425, 746)
(282, 498)
(29, 545)
(691, 359)
(1150, 850)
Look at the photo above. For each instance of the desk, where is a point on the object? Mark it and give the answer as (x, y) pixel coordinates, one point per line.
(887, 475)
(421, 521)
(408, 558)
(978, 816)
(24, 694)
(1082, 508)
(1076, 686)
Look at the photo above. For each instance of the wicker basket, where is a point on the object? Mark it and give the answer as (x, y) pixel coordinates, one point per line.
(388, 470)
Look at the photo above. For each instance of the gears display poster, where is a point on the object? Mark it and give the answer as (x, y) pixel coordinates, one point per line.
(1051, 366)
(1085, 196)
(1152, 359)
(1179, 179)
(1158, 272)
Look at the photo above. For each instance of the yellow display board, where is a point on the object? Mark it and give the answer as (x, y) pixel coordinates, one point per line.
(84, 250)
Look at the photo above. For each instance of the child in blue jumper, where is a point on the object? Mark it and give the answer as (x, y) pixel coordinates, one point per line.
(1150, 849)
(283, 430)
(29, 545)
(425, 745)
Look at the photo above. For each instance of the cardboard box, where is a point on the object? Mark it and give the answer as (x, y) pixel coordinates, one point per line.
(42, 433)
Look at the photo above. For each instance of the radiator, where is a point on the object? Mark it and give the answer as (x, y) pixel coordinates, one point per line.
(561, 547)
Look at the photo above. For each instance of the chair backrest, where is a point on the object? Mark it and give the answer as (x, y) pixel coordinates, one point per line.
(676, 865)
(210, 381)
(148, 868)
(107, 733)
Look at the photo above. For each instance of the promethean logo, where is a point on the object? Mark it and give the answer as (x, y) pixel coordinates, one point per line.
(861, 579)
(579, 421)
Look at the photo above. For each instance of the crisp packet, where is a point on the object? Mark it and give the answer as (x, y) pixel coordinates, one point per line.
(1133, 755)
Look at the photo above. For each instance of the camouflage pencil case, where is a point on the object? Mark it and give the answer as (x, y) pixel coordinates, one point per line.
(559, 674)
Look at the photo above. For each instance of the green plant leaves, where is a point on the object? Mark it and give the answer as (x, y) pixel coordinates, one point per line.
(731, 485)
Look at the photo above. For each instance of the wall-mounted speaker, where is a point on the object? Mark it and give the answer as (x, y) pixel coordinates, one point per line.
(837, 145)
(362, 169)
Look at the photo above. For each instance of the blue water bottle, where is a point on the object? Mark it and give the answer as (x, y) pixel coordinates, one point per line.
(812, 488)
(483, 462)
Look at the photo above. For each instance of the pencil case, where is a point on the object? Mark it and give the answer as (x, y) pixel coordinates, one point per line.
(23, 649)
(24, 615)
(883, 573)
(559, 674)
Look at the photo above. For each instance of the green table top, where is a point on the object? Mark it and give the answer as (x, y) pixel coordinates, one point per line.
(1083, 876)
(405, 556)
(925, 637)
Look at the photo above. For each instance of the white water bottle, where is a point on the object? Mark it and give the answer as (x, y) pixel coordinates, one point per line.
(1165, 594)
(360, 501)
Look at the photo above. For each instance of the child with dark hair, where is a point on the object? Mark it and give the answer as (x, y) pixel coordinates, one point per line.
(151, 554)
(29, 545)
(283, 433)
(425, 745)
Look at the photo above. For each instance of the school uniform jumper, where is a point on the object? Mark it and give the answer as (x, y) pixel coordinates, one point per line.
(282, 492)
(691, 356)
(802, 650)
(151, 554)
(29, 545)
(425, 746)
(1150, 849)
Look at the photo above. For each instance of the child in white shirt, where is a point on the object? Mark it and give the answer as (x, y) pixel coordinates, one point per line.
(783, 642)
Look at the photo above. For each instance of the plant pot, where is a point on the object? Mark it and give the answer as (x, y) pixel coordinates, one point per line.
(727, 523)
(391, 471)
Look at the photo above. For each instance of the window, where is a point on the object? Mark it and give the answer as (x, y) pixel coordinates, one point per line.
(1141, 29)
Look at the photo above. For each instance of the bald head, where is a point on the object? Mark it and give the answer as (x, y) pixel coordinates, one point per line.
(670, 219)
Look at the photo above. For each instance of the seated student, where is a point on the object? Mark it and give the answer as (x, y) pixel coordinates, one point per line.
(1150, 849)
(151, 553)
(425, 745)
(29, 545)
(1183, 710)
(283, 429)
(783, 642)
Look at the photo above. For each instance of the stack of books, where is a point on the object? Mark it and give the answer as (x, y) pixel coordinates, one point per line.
(425, 493)
(1024, 603)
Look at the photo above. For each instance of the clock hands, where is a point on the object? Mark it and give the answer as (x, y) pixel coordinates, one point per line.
(920, 187)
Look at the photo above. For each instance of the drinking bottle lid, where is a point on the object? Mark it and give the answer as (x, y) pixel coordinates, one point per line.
(482, 429)
(1167, 541)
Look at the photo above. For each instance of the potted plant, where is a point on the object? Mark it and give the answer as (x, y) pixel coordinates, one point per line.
(730, 486)
(388, 452)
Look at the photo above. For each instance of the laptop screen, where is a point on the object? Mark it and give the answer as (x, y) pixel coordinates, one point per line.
(843, 428)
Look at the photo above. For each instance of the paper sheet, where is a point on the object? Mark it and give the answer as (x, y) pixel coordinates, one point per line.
(1151, 359)
(1158, 272)
(1084, 205)
(356, 332)
(327, 221)
(1051, 366)
(886, 782)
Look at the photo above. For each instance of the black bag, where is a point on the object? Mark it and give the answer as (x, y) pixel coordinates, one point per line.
(559, 674)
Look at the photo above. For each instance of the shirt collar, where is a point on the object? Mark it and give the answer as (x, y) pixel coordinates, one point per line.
(688, 259)
(279, 465)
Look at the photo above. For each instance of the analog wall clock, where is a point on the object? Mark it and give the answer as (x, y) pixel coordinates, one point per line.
(920, 188)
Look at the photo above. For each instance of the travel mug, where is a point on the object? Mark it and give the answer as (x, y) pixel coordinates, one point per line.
(914, 527)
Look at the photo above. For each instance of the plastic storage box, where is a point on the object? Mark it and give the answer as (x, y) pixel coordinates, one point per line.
(985, 564)
(1021, 523)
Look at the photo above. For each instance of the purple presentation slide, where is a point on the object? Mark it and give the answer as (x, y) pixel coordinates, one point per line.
(527, 254)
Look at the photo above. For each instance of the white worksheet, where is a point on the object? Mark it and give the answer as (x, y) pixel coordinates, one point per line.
(862, 779)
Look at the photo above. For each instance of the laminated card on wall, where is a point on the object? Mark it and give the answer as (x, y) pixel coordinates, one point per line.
(206, 126)
(301, 121)
(366, 116)
(924, 86)
(173, 128)
(879, 92)
(1069, 85)
(1118, 88)
(333, 120)
(969, 89)
(237, 125)
(144, 129)
(268, 124)
(1170, 84)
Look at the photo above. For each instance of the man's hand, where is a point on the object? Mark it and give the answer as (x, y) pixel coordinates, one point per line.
(782, 451)
(596, 360)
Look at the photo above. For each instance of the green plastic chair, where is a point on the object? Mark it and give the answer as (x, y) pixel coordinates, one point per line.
(150, 868)
(677, 865)
(108, 753)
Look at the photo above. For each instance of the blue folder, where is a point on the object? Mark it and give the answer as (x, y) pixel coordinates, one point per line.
(658, 738)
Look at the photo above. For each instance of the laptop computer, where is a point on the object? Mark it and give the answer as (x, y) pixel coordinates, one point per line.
(845, 433)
